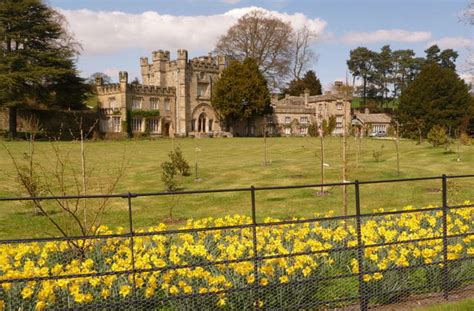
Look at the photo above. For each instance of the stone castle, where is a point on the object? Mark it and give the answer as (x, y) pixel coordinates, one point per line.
(175, 100)
(179, 91)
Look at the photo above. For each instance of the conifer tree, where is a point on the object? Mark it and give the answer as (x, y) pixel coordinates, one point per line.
(37, 58)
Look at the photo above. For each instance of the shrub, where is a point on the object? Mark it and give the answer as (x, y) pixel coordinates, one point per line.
(377, 154)
(313, 129)
(464, 139)
(179, 162)
(437, 136)
(168, 175)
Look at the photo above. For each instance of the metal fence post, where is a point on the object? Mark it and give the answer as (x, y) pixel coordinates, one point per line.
(360, 251)
(445, 237)
(254, 238)
(132, 233)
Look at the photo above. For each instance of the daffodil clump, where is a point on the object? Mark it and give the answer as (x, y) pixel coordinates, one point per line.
(300, 264)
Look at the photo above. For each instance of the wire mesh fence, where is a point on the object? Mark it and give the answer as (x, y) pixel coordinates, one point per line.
(355, 261)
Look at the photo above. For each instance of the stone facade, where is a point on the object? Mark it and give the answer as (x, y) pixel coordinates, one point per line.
(175, 100)
(180, 89)
(293, 115)
(367, 123)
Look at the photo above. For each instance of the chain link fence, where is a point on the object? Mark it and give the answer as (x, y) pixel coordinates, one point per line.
(356, 261)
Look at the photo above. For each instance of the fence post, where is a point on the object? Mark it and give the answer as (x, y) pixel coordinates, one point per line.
(445, 237)
(254, 237)
(360, 251)
(132, 233)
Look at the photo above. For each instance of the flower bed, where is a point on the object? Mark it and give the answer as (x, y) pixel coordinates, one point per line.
(310, 264)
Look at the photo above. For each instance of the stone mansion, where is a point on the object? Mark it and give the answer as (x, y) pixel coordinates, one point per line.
(175, 100)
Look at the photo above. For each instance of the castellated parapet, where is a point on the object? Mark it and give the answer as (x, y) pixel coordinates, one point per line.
(151, 89)
(180, 88)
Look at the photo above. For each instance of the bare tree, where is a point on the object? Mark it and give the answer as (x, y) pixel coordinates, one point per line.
(59, 176)
(303, 55)
(263, 37)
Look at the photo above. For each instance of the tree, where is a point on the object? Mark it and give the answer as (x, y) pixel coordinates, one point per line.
(446, 58)
(241, 93)
(436, 97)
(405, 68)
(36, 55)
(271, 42)
(309, 81)
(361, 64)
(106, 78)
(303, 55)
(383, 66)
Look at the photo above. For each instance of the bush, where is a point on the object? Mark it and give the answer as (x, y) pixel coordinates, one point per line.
(437, 136)
(168, 175)
(464, 139)
(313, 130)
(377, 154)
(179, 162)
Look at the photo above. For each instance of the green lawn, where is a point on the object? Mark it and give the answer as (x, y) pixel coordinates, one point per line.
(238, 162)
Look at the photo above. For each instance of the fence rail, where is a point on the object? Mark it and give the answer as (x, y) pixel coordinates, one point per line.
(442, 275)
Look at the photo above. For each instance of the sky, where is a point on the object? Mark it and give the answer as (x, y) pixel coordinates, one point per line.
(114, 34)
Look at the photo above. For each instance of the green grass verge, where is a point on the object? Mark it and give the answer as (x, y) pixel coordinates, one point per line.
(238, 162)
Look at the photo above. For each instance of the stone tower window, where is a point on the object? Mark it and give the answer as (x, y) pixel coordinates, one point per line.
(137, 103)
(112, 102)
(167, 104)
(136, 124)
(154, 103)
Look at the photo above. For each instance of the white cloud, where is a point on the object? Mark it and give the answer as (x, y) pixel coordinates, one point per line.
(385, 35)
(102, 32)
(452, 43)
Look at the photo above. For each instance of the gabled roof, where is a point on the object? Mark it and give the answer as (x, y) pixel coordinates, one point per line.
(373, 117)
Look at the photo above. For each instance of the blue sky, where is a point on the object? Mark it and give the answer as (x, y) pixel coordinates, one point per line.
(115, 33)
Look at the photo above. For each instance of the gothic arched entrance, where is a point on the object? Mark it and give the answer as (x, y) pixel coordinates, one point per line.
(202, 122)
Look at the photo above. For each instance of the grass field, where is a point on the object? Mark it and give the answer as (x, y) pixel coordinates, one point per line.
(238, 162)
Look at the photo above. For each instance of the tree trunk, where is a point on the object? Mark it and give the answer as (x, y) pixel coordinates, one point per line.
(12, 113)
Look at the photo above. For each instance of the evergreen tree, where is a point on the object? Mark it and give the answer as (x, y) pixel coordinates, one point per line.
(310, 81)
(37, 58)
(436, 97)
(241, 92)
(446, 58)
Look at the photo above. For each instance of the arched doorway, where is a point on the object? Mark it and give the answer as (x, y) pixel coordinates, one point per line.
(165, 129)
(202, 122)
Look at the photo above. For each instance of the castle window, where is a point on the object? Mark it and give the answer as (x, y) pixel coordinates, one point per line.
(136, 124)
(287, 131)
(202, 89)
(154, 103)
(287, 120)
(167, 104)
(112, 102)
(303, 131)
(137, 103)
(153, 125)
(304, 120)
(116, 126)
(104, 125)
(339, 119)
(339, 106)
(210, 122)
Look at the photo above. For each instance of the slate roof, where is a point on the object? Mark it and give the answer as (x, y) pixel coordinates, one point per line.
(373, 117)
